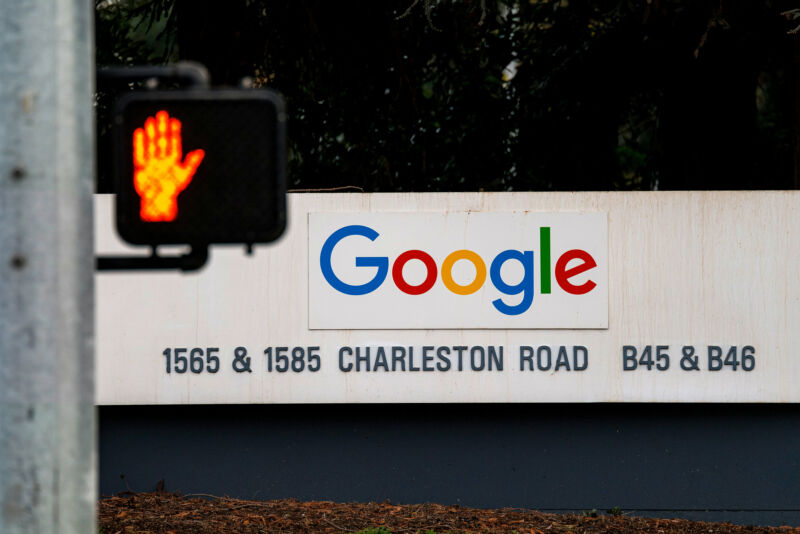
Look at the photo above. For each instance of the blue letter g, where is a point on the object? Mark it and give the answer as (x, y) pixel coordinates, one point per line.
(382, 263)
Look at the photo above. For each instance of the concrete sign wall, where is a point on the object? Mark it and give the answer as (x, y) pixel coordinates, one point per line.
(501, 297)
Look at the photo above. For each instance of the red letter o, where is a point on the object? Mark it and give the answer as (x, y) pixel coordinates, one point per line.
(397, 272)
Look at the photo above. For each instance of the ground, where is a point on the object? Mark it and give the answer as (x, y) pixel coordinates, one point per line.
(171, 513)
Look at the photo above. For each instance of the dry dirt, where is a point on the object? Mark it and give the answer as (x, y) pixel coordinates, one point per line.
(170, 513)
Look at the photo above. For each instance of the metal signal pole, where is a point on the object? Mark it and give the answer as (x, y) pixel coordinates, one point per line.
(47, 416)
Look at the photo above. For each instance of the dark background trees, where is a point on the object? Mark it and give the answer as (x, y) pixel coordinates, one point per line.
(413, 96)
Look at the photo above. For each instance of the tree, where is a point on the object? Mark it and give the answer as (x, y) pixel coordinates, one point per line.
(508, 95)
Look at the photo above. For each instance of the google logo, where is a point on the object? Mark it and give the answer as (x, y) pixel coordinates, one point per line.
(570, 264)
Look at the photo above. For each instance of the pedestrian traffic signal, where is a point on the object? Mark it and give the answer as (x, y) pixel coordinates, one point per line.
(200, 167)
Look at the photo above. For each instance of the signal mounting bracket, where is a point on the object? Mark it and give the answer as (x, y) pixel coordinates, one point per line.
(191, 261)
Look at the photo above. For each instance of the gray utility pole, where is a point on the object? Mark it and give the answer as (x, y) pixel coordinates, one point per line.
(47, 415)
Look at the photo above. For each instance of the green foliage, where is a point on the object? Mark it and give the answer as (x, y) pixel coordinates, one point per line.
(408, 95)
(129, 32)
(616, 511)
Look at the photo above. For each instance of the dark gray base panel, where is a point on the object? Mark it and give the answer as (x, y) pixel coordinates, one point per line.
(738, 463)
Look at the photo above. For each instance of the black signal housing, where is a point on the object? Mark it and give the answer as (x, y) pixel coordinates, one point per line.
(237, 193)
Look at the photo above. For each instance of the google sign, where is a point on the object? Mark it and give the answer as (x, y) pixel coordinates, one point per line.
(430, 270)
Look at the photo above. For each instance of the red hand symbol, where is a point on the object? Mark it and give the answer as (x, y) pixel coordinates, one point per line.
(158, 173)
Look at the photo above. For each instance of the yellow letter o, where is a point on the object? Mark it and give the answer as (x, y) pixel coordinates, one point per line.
(447, 272)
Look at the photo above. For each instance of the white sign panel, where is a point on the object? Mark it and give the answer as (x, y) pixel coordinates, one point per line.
(689, 297)
(457, 270)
